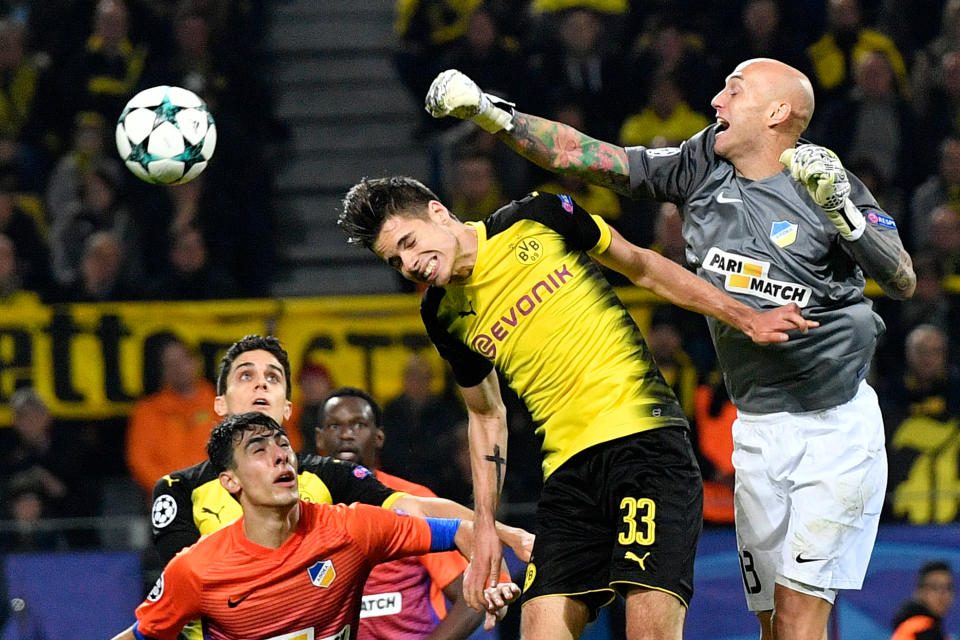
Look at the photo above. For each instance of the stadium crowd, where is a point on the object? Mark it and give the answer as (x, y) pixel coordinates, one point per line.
(76, 226)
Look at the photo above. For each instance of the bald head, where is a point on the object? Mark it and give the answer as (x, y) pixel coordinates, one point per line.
(781, 82)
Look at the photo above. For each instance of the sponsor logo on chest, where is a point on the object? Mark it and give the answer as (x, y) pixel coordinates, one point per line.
(525, 305)
(750, 277)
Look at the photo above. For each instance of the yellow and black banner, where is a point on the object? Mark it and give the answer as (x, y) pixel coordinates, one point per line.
(93, 360)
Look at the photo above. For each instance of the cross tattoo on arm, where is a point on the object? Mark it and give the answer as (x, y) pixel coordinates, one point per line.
(498, 460)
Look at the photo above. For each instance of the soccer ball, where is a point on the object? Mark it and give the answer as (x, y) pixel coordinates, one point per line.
(166, 135)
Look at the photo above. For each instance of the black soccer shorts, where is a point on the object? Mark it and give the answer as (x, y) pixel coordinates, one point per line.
(621, 514)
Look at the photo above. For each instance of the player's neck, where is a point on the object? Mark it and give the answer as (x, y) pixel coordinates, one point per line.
(466, 260)
(763, 160)
(270, 526)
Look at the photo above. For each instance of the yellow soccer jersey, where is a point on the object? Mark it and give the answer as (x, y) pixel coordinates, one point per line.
(540, 310)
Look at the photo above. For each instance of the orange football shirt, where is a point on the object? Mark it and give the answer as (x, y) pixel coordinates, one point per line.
(308, 588)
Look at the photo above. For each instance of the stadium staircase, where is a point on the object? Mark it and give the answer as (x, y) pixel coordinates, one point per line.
(329, 66)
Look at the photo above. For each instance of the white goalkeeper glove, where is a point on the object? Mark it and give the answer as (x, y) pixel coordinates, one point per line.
(819, 170)
(452, 93)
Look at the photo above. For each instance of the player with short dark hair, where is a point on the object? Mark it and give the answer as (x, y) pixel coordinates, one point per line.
(254, 375)
(621, 505)
(288, 566)
(767, 220)
(351, 429)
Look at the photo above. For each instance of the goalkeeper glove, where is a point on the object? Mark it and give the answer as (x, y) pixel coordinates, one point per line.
(819, 170)
(452, 93)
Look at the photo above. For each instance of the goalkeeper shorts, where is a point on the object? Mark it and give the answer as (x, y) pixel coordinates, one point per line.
(808, 495)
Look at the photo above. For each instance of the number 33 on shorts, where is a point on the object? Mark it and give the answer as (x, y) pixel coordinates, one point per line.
(638, 518)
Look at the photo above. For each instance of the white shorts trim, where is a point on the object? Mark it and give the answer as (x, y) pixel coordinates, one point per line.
(808, 495)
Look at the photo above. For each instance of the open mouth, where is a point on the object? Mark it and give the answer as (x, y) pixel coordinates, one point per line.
(430, 270)
(347, 454)
(722, 125)
(285, 478)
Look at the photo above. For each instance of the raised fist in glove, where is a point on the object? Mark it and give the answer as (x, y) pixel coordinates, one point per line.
(453, 93)
(819, 170)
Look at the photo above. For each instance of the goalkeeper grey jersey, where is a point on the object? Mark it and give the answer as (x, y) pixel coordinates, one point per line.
(767, 243)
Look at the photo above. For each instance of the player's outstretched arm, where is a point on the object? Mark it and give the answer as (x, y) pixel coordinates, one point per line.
(520, 540)
(551, 145)
(488, 461)
(672, 282)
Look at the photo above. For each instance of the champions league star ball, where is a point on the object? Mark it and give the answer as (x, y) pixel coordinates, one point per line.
(166, 135)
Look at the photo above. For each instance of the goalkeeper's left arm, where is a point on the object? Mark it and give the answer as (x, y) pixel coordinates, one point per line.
(877, 248)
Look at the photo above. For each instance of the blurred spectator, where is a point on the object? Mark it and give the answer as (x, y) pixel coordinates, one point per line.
(191, 275)
(944, 238)
(425, 31)
(89, 150)
(665, 120)
(668, 234)
(454, 478)
(873, 120)
(928, 55)
(102, 207)
(930, 305)
(475, 189)
(492, 59)
(11, 289)
(921, 617)
(26, 503)
(891, 197)
(33, 257)
(101, 277)
(25, 123)
(415, 420)
(714, 415)
(665, 339)
(575, 66)
(38, 449)
(193, 62)
(942, 187)
(315, 383)
(921, 411)
(169, 429)
(761, 33)
(105, 74)
(846, 40)
(665, 48)
(939, 103)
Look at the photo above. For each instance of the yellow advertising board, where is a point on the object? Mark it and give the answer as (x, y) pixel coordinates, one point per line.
(94, 360)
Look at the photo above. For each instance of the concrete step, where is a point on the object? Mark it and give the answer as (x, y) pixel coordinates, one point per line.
(356, 278)
(312, 138)
(306, 8)
(306, 102)
(325, 69)
(361, 30)
(332, 171)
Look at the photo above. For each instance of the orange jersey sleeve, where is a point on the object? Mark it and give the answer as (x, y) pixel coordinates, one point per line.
(174, 599)
(384, 534)
(443, 566)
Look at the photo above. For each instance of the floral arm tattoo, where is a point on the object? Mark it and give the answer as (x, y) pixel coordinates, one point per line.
(560, 148)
